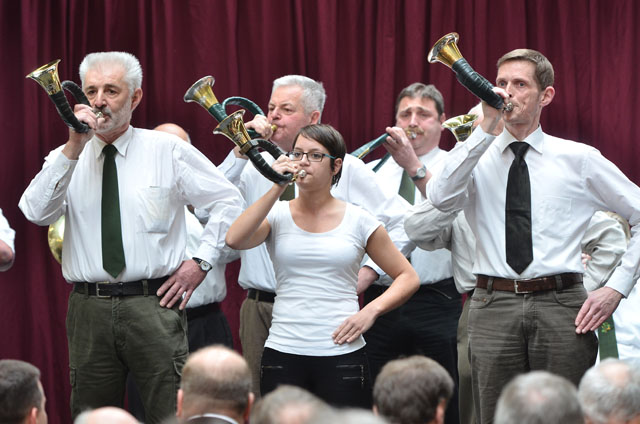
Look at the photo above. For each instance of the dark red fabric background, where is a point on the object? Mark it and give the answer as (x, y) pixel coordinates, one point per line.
(364, 51)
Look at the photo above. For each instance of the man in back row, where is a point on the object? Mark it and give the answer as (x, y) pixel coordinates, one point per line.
(530, 310)
(295, 101)
(22, 398)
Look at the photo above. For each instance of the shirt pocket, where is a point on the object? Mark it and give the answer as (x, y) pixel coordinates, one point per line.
(555, 214)
(154, 213)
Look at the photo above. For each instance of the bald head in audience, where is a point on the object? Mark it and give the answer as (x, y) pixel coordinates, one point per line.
(610, 393)
(175, 130)
(105, 415)
(287, 405)
(215, 380)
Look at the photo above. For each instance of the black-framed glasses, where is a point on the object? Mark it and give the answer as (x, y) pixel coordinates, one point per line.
(297, 155)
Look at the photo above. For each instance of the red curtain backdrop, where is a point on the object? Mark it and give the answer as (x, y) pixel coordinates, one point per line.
(364, 51)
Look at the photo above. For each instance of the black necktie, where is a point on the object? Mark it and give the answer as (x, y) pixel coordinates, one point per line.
(112, 250)
(518, 211)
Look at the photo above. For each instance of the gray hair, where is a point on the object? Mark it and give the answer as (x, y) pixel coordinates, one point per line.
(609, 390)
(418, 89)
(131, 65)
(313, 94)
(539, 397)
(286, 398)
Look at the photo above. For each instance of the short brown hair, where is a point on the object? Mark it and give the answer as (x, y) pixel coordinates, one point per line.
(422, 91)
(409, 390)
(19, 390)
(544, 70)
(328, 137)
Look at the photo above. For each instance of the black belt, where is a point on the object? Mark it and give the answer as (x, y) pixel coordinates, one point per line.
(202, 310)
(129, 288)
(530, 285)
(261, 296)
(446, 288)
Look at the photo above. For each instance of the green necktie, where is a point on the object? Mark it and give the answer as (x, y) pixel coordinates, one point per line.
(407, 188)
(607, 340)
(112, 250)
(289, 193)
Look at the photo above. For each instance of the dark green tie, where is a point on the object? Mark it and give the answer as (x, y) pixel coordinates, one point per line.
(289, 193)
(607, 340)
(112, 250)
(407, 188)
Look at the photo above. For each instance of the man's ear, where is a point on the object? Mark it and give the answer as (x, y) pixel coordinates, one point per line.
(179, 399)
(547, 96)
(136, 98)
(315, 117)
(247, 411)
(440, 409)
(32, 418)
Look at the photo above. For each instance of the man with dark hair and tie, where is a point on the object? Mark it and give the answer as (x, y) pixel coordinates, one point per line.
(427, 323)
(529, 197)
(123, 192)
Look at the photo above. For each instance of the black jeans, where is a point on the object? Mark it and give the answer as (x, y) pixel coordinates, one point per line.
(342, 380)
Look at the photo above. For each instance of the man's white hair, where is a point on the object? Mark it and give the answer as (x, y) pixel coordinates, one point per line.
(131, 65)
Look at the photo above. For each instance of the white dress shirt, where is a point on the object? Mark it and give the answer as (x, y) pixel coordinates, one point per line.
(7, 235)
(158, 174)
(431, 266)
(357, 185)
(432, 229)
(569, 182)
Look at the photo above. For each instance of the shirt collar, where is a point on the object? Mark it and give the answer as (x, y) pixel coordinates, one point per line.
(121, 143)
(535, 140)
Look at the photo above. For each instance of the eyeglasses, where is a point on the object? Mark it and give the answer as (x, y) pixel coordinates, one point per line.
(297, 155)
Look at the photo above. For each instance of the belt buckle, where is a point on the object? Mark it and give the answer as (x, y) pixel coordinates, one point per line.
(517, 289)
(101, 296)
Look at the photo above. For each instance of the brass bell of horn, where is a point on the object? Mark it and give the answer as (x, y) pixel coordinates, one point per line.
(47, 77)
(55, 237)
(446, 51)
(461, 126)
(233, 128)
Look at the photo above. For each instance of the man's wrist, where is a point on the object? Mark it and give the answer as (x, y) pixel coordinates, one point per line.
(202, 264)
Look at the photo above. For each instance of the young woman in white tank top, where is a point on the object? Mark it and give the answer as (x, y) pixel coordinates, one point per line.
(316, 243)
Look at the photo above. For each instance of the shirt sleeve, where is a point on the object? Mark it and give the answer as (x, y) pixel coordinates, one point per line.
(206, 188)
(605, 242)
(43, 202)
(7, 235)
(612, 190)
(428, 227)
(449, 189)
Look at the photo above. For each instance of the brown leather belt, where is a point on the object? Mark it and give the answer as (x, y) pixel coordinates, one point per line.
(530, 285)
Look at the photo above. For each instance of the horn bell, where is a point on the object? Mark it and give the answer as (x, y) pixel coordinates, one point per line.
(55, 237)
(445, 50)
(461, 126)
(47, 77)
(233, 128)
(202, 93)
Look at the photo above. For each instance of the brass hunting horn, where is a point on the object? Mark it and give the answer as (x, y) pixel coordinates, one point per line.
(461, 126)
(446, 52)
(47, 77)
(232, 127)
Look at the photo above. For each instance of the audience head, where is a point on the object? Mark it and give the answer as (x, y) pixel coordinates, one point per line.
(296, 101)
(105, 415)
(175, 130)
(610, 392)
(346, 416)
(412, 390)
(22, 398)
(287, 405)
(215, 379)
(539, 397)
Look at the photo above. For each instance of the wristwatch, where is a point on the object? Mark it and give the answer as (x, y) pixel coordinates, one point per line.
(420, 173)
(204, 265)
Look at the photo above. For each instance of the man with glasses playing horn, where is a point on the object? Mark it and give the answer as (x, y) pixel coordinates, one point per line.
(296, 101)
(427, 323)
(529, 197)
(123, 191)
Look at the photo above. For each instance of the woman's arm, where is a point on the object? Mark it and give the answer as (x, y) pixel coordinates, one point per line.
(252, 228)
(405, 282)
